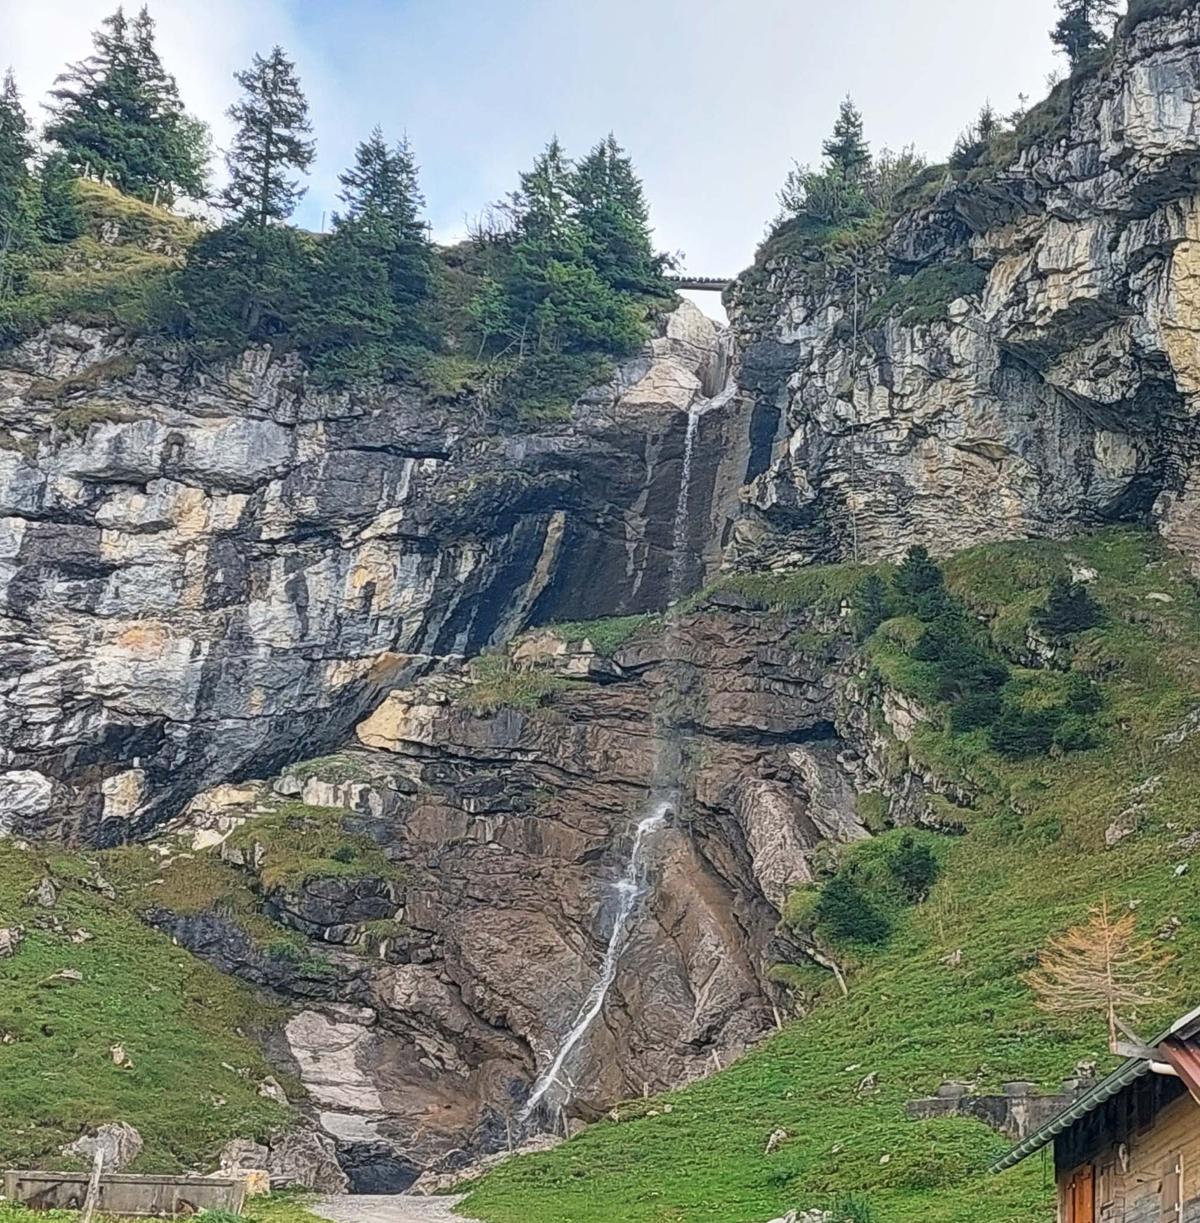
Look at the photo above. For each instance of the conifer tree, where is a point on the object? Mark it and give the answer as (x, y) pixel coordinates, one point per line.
(846, 150)
(1101, 966)
(16, 187)
(271, 141)
(541, 209)
(1082, 27)
(118, 114)
(60, 217)
(872, 605)
(249, 279)
(374, 271)
(384, 201)
(610, 207)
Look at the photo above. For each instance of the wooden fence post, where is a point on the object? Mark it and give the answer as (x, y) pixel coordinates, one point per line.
(93, 1190)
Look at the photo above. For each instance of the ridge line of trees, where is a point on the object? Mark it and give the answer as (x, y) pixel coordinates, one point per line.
(563, 281)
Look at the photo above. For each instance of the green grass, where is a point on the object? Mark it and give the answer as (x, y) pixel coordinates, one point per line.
(607, 635)
(338, 768)
(823, 588)
(301, 842)
(112, 275)
(181, 1023)
(499, 685)
(926, 296)
(1031, 863)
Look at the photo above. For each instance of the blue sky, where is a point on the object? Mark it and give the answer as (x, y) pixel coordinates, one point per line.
(712, 97)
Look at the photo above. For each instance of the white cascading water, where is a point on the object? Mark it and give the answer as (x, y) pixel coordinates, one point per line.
(632, 885)
(629, 893)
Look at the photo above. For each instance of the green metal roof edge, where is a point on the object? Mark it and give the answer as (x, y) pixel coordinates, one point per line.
(1102, 1091)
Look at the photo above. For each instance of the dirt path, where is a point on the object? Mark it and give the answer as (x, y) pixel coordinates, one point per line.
(390, 1208)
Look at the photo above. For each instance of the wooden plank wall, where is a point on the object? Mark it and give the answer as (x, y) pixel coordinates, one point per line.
(1145, 1190)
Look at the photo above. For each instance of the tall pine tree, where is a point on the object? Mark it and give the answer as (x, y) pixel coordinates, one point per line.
(364, 316)
(610, 208)
(846, 150)
(249, 279)
(1083, 27)
(118, 114)
(271, 142)
(16, 184)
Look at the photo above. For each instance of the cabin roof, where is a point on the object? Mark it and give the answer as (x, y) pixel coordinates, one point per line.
(1178, 1044)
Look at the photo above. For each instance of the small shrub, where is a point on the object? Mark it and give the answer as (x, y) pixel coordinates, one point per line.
(975, 710)
(1147, 10)
(918, 575)
(1069, 608)
(871, 604)
(1019, 732)
(344, 854)
(913, 866)
(853, 1209)
(847, 914)
(926, 296)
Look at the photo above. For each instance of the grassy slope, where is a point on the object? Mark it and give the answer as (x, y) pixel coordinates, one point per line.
(95, 280)
(1032, 862)
(181, 1024)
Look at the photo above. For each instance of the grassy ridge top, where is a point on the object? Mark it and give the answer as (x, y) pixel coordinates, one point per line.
(1032, 862)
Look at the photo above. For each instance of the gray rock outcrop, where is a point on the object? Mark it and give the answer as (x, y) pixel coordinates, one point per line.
(1017, 359)
(206, 574)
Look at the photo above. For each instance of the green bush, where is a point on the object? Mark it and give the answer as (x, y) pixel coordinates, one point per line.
(917, 577)
(975, 710)
(1069, 608)
(846, 913)
(1018, 732)
(1147, 10)
(913, 866)
(871, 605)
(925, 297)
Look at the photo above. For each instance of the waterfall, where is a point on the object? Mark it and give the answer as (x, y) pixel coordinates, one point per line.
(664, 799)
(679, 534)
(629, 892)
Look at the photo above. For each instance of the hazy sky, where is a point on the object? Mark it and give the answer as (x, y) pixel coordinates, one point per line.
(712, 97)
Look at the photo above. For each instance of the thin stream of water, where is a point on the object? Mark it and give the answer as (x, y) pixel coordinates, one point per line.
(631, 888)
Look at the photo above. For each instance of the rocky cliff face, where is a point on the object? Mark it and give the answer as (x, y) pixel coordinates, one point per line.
(207, 573)
(210, 575)
(1054, 382)
(509, 830)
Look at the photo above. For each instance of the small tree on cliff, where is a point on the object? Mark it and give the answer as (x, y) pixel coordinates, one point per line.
(846, 150)
(1099, 967)
(248, 279)
(1083, 27)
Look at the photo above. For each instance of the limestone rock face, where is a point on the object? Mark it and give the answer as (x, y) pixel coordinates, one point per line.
(207, 574)
(1055, 387)
(510, 833)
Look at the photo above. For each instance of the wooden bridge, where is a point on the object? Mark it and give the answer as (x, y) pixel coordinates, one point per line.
(711, 284)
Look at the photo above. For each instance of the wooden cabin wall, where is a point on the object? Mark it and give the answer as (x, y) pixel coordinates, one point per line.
(1157, 1138)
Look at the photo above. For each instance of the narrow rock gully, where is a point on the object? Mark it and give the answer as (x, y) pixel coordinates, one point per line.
(388, 1208)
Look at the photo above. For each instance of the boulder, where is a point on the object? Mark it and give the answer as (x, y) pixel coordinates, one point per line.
(242, 1154)
(118, 1141)
(10, 940)
(307, 1160)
